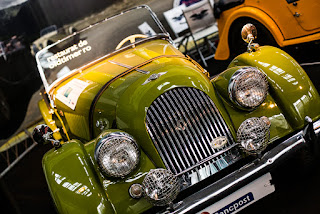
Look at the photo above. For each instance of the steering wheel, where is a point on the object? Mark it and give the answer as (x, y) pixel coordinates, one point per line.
(132, 39)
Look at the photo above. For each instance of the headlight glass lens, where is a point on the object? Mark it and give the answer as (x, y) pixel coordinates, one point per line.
(253, 135)
(248, 87)
(160, 187)
(117, 154)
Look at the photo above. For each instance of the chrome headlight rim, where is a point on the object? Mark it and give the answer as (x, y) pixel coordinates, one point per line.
(234, 84)
(114, 141)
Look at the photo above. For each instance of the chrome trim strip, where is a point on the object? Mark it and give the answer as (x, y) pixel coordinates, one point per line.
(316, 127)
(207, 159)
(128, 66)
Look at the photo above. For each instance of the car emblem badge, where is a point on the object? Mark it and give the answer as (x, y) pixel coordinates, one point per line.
(218, 142)
(181, 125)
(153, 77)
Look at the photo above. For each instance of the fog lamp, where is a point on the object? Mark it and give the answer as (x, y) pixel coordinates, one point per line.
(253, 134)
(160, 187)
(248, 87)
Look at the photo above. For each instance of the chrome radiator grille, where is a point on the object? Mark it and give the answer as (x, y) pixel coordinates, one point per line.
(181, 123)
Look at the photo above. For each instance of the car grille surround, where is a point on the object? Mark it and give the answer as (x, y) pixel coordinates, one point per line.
(182, 123)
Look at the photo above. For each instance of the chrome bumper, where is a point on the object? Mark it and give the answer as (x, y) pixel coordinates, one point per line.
(221, 188)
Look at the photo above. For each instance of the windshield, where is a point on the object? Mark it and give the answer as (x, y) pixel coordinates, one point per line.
(66, 56)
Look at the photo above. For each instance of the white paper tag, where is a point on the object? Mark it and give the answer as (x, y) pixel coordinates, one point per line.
(70, 92)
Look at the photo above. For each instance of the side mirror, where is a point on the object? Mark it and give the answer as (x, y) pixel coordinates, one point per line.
(43, 134)
(249, 33)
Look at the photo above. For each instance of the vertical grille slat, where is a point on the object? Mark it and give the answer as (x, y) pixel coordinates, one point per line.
(206, 120)
(200, 129)
(160, 146)
(182, 123)
(176, 136)
(219, 119)
(168, 144)
(211, 114)
(194, 119)
(173, 105)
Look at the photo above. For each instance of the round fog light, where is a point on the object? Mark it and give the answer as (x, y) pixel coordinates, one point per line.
(160, 187)
(253, 135)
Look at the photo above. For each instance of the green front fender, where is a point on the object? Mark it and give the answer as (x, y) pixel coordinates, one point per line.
(73, 184)
(290, 86)
(77, 185)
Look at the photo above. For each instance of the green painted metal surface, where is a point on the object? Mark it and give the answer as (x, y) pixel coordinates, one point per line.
(78, 186)
(75, 181)
(290, 86)
(269, 108)
(72, 181)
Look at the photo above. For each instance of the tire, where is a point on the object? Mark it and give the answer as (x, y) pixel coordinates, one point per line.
(238, 46)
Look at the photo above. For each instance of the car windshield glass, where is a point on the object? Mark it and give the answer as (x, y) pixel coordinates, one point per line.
(66, 56)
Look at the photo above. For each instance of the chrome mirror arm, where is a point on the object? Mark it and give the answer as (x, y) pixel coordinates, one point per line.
(43, 134)
(248, 34)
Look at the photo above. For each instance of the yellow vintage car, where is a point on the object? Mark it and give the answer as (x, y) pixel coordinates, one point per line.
(281, 23)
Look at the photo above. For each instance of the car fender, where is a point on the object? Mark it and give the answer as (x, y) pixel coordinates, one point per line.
(289, 85)
(72, 182)
(223, 49)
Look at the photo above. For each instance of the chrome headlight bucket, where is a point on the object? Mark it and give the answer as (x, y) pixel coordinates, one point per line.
(160, 187)
(248, 87)
(253, 134)
(117, 154)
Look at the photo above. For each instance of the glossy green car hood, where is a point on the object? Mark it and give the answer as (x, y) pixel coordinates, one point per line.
(98, 74)
(289, 85)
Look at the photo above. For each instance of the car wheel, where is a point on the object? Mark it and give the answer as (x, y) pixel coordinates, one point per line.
(238, 46)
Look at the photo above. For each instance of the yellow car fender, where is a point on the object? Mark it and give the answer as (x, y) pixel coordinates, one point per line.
(223, 51)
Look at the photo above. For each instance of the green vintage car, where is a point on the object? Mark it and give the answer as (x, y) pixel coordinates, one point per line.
(139, 127)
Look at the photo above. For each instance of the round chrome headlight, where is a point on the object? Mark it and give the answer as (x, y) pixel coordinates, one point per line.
(160, 187)
(117, 154)
(248, 87)
(253, 134)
